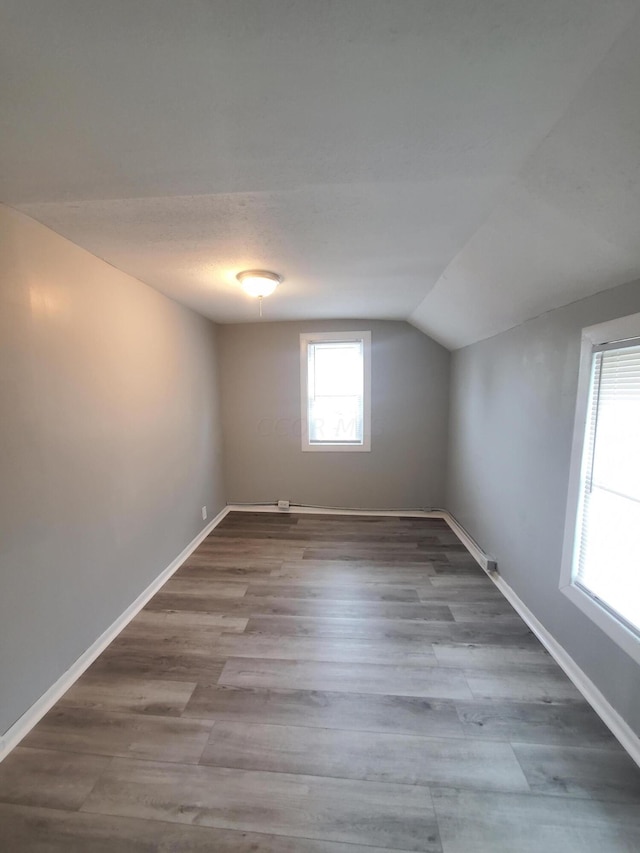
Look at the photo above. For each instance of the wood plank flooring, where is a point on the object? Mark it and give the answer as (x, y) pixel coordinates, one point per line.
(310, 683)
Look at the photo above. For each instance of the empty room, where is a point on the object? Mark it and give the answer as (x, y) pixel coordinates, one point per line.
(319, 426)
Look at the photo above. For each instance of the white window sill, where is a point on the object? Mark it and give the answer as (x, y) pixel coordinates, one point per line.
(616, 630)
(340, 448)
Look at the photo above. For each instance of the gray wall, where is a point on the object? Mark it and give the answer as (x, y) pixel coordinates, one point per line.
(260, 373)
(512, 409)
(109, 447)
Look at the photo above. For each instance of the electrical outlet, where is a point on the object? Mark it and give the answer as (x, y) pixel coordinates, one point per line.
(283, 504)
(204, 513)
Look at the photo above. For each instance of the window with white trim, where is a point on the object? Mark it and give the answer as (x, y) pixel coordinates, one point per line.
(335, 390)
(601, 571)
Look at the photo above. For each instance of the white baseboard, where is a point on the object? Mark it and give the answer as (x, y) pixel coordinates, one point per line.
(28, 720)
(484, 560)
(328, 510)
(609, 716)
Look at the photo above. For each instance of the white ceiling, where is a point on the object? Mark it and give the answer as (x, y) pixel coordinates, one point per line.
(464, 164)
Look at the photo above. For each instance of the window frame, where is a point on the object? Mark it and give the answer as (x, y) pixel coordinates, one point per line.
(614, 331)
(307, 338)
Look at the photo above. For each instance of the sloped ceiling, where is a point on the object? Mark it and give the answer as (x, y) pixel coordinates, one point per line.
(464, 165)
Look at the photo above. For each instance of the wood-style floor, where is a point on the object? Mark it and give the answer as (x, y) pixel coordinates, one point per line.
(313, 683)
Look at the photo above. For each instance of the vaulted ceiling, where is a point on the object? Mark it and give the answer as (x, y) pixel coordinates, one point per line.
(463, 164)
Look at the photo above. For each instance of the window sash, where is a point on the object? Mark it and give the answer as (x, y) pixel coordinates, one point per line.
(607, 545)
(335, 392)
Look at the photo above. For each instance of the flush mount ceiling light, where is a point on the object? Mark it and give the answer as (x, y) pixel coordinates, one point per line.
(259, 283)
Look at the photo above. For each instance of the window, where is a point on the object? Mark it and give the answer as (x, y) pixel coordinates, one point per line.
(601, 563)
(335, 381)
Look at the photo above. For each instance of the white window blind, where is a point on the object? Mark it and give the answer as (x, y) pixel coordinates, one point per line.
(336, 392)
(607, 558)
